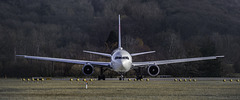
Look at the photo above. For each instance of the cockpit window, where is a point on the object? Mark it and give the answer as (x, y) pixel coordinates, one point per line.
(121, 58)
(117, 57)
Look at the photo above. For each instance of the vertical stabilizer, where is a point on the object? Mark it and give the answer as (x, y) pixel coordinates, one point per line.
(119, 33)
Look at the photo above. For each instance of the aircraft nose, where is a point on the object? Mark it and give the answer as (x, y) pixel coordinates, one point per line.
(125, 64)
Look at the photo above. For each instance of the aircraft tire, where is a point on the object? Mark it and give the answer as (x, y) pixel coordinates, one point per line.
(101, 77)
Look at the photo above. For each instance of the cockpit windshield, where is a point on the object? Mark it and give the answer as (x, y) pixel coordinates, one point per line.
(122, 58)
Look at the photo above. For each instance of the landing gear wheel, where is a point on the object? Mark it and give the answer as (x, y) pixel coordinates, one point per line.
(121, 78)
(139, 77)
(101, 77)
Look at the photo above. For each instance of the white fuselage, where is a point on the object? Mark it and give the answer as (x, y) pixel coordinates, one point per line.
(121, 61)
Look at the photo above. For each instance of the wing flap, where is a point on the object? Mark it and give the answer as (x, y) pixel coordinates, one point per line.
(66, 60)
(162, 62)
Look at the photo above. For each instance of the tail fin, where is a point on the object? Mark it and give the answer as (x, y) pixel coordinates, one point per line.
(119, 34)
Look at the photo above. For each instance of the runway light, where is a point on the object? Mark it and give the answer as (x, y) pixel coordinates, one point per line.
(224, 80)
(33, 79)
(129, 79)
(135, 79)
(91, 79)
(37, 79)
(28, 79)
(141, 80)
(71, 79)
(185, 80)
(180, 80)
(175, 80)
(237, 80)
(147, 79)
(77, 79)
(194, 80)
(23, 79)
(230, 80)
(84, 80)
(190, 80)
(42, 79)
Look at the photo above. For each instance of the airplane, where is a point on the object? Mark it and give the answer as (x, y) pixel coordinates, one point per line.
(121, 61)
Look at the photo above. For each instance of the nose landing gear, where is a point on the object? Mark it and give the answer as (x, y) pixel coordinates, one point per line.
(121, 77)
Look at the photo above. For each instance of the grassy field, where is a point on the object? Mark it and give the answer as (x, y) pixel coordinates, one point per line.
(14, 89)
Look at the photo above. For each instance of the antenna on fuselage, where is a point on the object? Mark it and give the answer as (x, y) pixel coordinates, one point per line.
(119, 33)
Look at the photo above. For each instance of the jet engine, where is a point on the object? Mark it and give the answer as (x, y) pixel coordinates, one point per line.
(88, 69)
(153, 70)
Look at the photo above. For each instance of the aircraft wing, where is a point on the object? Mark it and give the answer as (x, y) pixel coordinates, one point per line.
(162, 62)
(66, 60)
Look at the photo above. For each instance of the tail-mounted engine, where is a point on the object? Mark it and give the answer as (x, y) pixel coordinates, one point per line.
(153, 70)
(88, 69)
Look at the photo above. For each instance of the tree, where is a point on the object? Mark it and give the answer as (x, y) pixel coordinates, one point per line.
(112, 41)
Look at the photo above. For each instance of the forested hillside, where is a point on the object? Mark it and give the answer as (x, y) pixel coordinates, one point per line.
(173, 28)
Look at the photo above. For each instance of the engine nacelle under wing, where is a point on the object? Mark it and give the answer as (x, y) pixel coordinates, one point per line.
(88, 69)
(153, 70)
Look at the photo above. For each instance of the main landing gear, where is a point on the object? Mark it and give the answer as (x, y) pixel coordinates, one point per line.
(102, 76)
(139, 75)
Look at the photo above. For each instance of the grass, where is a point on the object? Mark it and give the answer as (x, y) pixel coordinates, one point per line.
(119, 90)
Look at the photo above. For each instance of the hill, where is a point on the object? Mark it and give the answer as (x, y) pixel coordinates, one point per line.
(174, 28)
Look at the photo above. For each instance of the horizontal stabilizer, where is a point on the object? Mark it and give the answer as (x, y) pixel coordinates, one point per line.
(141, 53)
(98, 53)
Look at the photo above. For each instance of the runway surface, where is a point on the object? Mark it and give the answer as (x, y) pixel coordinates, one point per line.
(163, 79)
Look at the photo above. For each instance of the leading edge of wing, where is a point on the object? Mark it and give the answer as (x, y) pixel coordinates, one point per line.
(162, 62)
(65, 60)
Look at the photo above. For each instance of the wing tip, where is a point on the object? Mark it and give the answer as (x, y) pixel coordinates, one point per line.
(220, 56)
(153, 51)
(21, 55)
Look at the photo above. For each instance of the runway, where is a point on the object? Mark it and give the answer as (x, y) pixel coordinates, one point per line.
(163, 79)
